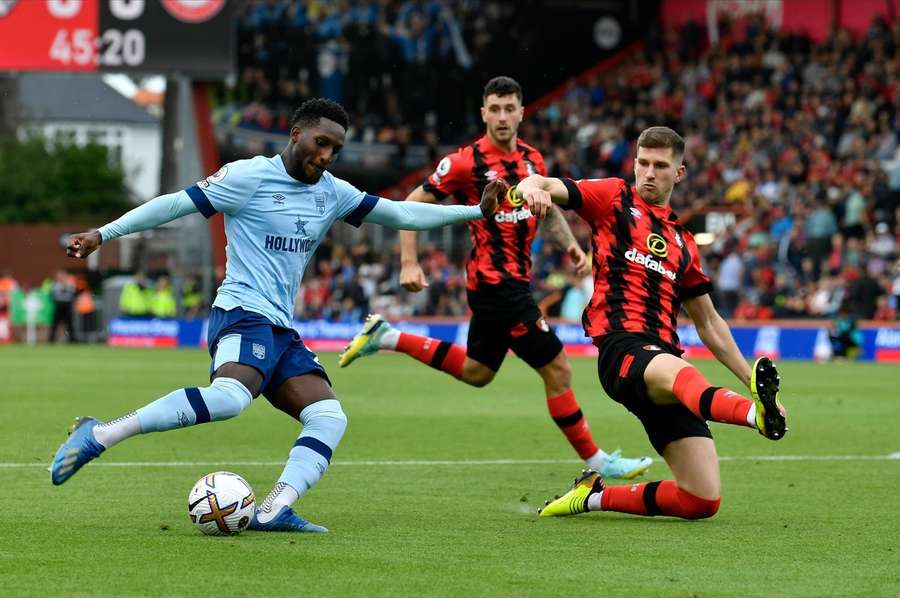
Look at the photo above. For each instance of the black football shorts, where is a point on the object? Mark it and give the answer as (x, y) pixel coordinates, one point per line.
(527, 334)
(623, 358)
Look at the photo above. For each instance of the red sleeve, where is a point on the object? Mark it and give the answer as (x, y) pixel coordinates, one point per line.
(453, 172)
(539, 166)
(694, 282)
(592, 199)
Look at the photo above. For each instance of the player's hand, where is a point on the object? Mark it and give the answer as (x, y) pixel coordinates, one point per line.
(82, 245)
(579, 260)
(412, 278)
(490, 196)
(538, 201)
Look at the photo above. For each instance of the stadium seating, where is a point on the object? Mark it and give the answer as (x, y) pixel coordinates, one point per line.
(799, 140)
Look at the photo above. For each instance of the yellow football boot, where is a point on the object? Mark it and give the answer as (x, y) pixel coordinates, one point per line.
(574, 501)
(764, 381)
(366, 340)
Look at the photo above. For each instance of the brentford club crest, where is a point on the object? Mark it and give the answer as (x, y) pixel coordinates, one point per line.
(6, 6)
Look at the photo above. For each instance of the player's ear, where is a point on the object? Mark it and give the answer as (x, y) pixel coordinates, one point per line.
(483, 115)
(679, 173)
(295, 134)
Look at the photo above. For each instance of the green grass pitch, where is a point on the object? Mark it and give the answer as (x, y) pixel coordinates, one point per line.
(434, 490)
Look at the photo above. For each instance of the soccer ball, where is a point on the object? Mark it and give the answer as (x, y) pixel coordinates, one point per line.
(221, 504)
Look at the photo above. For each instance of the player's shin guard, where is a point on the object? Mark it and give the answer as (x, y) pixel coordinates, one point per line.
(324, 423)
(657, 498)
(711, 403)
(440, 355)
(566, 412)
(223, 399)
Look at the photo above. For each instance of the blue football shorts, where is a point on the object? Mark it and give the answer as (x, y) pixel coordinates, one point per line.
(251, 339)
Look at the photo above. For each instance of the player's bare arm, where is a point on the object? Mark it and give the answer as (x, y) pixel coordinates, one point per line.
(555, 229)
(716, 335)
(538, 192)
(412, 278)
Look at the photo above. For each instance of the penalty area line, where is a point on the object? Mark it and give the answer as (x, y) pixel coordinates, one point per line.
(444, 462)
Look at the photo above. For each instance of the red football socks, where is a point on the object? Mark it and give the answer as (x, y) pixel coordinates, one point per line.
(440, 355)
(657, 498)
(566, 412)
(711, 403)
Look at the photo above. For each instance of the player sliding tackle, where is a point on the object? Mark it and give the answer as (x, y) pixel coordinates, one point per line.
(646, 267)
(277, 210)
(504, 314)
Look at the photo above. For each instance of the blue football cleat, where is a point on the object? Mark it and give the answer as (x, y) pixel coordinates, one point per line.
(286, 521)
(79, 449)
(618, 467)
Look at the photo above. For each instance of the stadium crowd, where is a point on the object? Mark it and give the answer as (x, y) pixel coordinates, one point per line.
(66, 308)
(385, 60)
(798, 140)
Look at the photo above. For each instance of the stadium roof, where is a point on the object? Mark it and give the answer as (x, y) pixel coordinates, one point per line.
(71, 97)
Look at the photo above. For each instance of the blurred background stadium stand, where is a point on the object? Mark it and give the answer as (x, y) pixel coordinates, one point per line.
(789, 109)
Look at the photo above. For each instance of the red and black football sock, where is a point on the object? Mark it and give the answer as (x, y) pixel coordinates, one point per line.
(711, 403)
(566, 412)
(440, 355)
(657, 498)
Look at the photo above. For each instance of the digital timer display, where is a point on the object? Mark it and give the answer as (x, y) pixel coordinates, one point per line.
(189, 36)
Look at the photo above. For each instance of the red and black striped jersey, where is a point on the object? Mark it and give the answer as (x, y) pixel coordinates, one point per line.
(645, 262)
(501, 245)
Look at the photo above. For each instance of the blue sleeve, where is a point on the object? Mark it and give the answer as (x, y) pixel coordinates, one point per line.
(414, 215)
(353, 204)
(228, 190)
(155, 212)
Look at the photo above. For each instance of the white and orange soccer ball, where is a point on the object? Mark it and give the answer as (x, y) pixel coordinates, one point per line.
(221, 504)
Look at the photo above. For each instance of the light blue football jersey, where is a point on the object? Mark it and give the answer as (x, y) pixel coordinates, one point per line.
(274, 224)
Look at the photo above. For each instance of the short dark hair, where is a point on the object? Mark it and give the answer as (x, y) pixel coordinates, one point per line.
(662, 137)
(310, 111)
(502, 86)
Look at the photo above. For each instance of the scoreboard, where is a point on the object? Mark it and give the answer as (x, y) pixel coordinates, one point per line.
(194, 37)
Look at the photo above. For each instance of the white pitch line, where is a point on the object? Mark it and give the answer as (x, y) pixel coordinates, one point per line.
(458, 463)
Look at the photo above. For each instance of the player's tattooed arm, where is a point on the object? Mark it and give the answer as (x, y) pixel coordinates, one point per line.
(555, 229)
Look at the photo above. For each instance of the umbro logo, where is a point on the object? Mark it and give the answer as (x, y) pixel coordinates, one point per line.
(279, 199)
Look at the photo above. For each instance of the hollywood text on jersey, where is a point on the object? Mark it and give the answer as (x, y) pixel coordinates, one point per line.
(289, 244)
